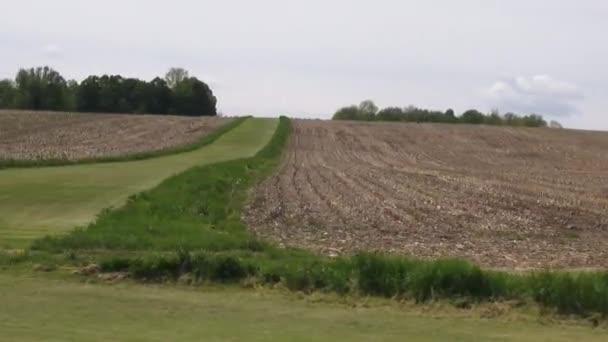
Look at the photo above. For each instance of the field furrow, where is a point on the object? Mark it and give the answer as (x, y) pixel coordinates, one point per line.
(497, 196)
(73, 136)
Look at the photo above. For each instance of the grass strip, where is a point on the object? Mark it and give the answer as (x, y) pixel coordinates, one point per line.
(202, 141)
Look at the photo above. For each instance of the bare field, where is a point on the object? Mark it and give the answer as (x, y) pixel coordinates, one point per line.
(500, 197)
(72, 136)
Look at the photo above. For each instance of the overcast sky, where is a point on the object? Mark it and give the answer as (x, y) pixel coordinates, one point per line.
(307, 58)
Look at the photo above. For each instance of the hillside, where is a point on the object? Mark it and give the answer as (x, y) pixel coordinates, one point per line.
(497, 196)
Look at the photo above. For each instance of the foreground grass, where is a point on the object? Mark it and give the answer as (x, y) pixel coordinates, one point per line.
(42, 309)
(40, 201)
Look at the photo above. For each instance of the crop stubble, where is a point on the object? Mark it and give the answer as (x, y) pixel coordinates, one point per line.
(497, 196)
(73, 136)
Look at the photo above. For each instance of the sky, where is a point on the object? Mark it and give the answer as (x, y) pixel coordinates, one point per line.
(308, 58)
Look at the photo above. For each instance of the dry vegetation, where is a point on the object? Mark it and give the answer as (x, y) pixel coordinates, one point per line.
(500, 197)
(74, 136)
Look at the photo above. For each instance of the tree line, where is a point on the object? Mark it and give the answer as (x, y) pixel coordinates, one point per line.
(368, 111)
(43, 88)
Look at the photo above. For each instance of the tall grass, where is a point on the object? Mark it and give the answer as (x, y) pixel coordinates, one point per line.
(379, 275)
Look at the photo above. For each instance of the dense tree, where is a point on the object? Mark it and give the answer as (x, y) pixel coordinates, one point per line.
(368, 111)
(158, 97)
(493, 119)
(390, 114)
(72, 90)
(347, 113)
(472, 116)
(175, 76)
(8, 94)
(88, 95)
(45, 89)
(534, 120)
(365, 111)
(40, 88)
(193, 97)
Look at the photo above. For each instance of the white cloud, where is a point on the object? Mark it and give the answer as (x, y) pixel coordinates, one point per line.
(541, 94)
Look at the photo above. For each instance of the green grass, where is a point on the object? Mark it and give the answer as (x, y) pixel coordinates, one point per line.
(41, 309)
(198, 209)
(39, 201)
(202, 141)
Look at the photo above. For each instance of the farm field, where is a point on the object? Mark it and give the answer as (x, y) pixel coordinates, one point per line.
(500, 197)
(73, 136)
(39, 201)
(187, 229)
(36, 308)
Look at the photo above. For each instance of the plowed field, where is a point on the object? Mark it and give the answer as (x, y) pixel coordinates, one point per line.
(73, 136)
(497, 196)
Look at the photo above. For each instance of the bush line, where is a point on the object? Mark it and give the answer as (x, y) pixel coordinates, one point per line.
(202, 141)
(582, 294)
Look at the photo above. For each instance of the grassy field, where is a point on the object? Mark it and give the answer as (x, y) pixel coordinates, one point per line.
(40, 201)
(35, 308)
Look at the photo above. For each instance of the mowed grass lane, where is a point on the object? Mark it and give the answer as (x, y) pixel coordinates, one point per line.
(50, 200)
(41, 309)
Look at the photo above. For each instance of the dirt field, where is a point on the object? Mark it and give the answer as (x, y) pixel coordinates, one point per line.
(500, 197)
(41, 135)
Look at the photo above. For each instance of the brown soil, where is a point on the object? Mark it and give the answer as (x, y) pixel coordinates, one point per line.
(497, 196)
(43, 135)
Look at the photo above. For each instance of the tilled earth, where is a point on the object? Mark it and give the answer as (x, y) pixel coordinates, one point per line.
(42, 135)
(501, 197)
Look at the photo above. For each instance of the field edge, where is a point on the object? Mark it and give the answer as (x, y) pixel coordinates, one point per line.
(200, 142)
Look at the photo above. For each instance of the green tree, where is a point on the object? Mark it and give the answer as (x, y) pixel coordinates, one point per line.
(193, 97)
(534, 120)
(175, 76)
(347, 113)
(390, 114)
(368, 110)
(450, 116)
(40, 88)
(494, 118)
(472, 116)
(70, 100)
(7, 94)
(88, 95)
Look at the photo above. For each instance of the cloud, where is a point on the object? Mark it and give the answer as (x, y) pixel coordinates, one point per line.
(541, 94)
(52, 51)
